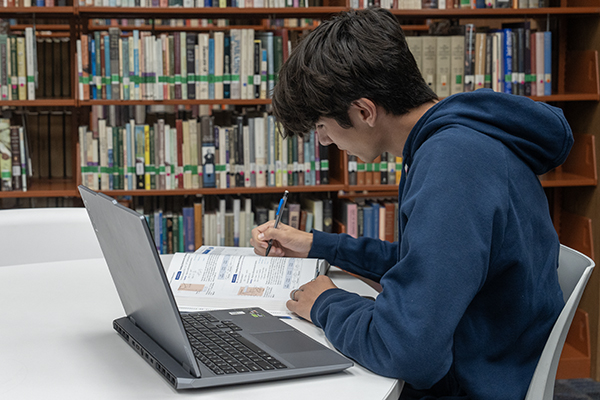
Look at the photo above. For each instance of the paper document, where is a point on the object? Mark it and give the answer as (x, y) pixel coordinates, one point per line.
(230, 277)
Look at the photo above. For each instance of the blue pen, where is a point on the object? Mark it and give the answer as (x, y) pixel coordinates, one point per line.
(278, 217)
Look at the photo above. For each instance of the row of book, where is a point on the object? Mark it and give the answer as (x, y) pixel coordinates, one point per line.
(512, 60)
(239, 64)
(201, 3)
(274, 23)
(15, 163)
(369, 218)
(392, 4)
(447, 4)
(386, 169)
(18, 66)
(219, 151)
(229, 221)
(34, 3)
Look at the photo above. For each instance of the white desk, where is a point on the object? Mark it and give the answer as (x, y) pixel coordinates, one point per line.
(57, 342)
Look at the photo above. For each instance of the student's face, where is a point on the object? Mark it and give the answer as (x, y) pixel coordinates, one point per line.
(351, 140)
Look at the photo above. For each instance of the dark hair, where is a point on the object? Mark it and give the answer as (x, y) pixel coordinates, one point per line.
(357, 54)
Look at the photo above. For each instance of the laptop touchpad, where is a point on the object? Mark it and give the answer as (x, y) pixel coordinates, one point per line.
(288, 342)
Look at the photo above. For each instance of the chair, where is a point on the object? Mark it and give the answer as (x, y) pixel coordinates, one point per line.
(34, 235)
(574, 270)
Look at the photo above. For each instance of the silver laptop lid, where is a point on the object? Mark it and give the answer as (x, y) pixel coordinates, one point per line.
(138, 274)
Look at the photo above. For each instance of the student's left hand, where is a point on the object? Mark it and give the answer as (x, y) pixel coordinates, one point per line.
(303, 298)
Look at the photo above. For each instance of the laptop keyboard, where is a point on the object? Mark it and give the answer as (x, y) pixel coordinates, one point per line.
(218, 345)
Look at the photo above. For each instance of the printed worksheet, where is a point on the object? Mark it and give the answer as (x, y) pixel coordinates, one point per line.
(224, 277)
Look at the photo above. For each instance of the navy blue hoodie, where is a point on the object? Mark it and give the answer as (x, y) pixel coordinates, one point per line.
(470, 291)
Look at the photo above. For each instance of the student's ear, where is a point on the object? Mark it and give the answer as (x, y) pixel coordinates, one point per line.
(365, 111)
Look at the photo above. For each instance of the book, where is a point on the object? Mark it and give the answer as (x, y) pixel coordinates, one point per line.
(224, 277)
(5, 156)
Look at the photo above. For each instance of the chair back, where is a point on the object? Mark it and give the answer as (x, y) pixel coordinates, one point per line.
(574, 270)
(35, 235)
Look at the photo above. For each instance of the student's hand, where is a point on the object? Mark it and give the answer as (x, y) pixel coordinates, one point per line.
(287, 241)
(303, 298)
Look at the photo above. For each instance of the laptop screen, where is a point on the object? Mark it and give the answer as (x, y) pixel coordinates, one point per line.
(138, 274)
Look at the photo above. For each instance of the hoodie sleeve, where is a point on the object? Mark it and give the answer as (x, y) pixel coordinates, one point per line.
(366, 257)
(453, 203)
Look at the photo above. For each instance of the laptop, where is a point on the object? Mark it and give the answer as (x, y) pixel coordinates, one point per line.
(200, 349)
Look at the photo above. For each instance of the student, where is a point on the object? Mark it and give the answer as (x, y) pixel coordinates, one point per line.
(470, 290)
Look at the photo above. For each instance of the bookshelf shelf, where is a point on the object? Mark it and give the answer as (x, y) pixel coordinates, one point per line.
(334, 187)
(45, 188)
(40, 103)
(44, 11)
(560, 178)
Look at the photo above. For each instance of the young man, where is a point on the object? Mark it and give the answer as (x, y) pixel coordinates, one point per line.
(470, 290)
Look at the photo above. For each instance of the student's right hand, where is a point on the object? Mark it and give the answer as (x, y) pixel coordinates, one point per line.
(287, 241)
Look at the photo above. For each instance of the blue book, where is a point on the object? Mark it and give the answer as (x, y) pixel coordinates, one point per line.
(508, 49)
(126, 81)
(189, 238)
(368, 221)
(93, 69)
(547, 63)
(39, 3)
(158, 230)
(211, 68)
(207, 3)
(376, 206)
(107, 67)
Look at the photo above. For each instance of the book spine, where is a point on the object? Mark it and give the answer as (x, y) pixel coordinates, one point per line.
(257, 69)
(508, 54)
(235, 63)
(17, 182)
(183, 64)
(227, 67)
(30, 62)
(14, 69)
(211, 68)
(219, 39)
(4, 67)
(189, 232)
(5, 156)
(22, 68)
(177, 61)
(547, 63)
(191, 66)
(208, 153)
(114, 34)
(469, 73)
(203, 65)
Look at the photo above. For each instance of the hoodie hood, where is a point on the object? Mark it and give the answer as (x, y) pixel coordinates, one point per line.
(536, 132)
